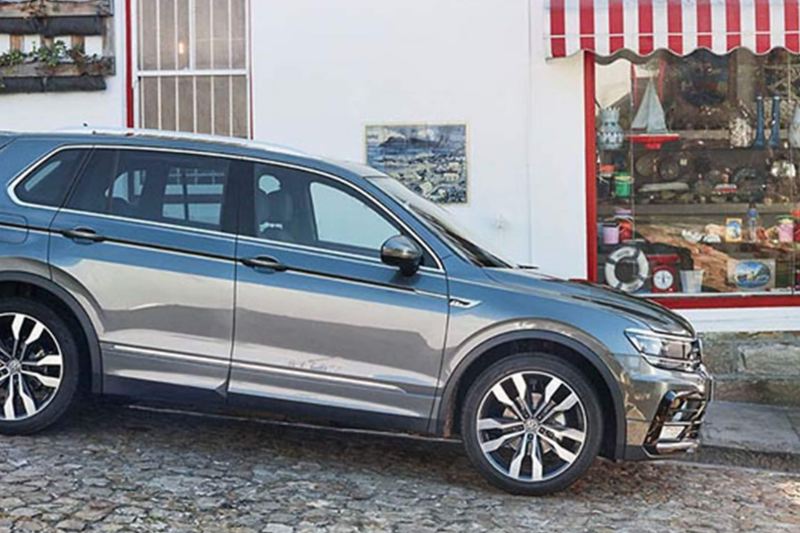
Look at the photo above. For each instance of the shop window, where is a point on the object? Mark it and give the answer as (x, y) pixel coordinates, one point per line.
(192, 58)
(697, 173)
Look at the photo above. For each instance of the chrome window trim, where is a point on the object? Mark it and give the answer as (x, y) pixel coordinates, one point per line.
(362, 282)
(326, 252)
(26, 172)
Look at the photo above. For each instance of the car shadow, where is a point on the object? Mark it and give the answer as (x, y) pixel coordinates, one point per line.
(279, 448)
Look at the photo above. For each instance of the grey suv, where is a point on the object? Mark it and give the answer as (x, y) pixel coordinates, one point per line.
(191, 269)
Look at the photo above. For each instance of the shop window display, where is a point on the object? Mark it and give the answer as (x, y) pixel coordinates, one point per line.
(697, 186)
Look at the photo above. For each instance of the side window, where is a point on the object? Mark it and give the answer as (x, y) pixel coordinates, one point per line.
(299, 207)
(277, 199)
(49, 182)
(165, 187)
(346, 222)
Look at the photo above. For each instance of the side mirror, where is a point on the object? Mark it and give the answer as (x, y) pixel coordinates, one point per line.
(402, 252)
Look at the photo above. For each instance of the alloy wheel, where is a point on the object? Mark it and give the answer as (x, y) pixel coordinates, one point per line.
(531, 426)
(31, 366)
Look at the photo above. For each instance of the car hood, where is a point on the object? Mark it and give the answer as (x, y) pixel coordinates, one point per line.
(653, 315)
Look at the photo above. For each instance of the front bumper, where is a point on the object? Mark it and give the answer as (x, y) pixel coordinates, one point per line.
(673, 415)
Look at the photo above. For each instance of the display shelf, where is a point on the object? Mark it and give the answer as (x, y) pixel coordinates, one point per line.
(684, 210)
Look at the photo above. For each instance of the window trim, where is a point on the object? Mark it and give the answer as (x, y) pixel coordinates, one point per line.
(135, 73)
(32, 168)
(252, 159)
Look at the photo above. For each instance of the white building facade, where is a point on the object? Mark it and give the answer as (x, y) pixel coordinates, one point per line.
(314, 74)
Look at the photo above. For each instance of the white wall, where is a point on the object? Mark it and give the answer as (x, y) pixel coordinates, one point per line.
(557, 158)
(323, 70)
(46, 111)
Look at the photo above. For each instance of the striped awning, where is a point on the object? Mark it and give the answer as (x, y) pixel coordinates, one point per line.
(606, 27)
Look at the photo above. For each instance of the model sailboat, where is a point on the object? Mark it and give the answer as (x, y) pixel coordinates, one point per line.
(650, 118)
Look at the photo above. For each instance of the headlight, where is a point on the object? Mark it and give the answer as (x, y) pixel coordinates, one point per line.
(666, 351)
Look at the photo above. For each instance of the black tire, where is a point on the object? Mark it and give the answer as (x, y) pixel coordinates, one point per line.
(65, 394)
(553, 366)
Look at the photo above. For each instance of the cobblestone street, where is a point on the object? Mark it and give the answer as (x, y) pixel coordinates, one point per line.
(117, 469)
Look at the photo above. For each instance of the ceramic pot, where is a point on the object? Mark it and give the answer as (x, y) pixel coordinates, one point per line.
(794, 128)
(760, 140)
(775, 134)
(740, 132)
(610, 135)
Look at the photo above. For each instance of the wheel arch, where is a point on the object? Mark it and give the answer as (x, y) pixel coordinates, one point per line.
(16, 282)
(506, 344)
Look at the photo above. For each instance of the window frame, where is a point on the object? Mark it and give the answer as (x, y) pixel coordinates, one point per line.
(241, 206)
(708, 301)
(191, 72)
(247, 215)
(229, 196)
(33, 168)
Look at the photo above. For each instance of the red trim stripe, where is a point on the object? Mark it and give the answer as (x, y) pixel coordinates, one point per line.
(791, 14)
(591, 183)
(129, 117)
(733, 24)
(558, 28)
(704, 39)
(616, 25)
(728, 301)
(675, 26)
(646, 43)
(762, 26)
(587, 24)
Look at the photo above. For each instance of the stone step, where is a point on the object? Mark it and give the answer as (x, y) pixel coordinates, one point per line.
(759, 368)
(769, 390)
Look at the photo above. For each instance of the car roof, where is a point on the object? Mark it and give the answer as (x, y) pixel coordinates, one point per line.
(212, 144)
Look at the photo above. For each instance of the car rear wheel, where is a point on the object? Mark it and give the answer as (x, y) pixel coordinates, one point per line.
(38, 366)
(531, 424)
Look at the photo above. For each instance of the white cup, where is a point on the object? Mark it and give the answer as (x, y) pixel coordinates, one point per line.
(692, 280)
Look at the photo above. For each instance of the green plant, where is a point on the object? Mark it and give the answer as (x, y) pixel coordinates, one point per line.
(51, 55)
(12, 58)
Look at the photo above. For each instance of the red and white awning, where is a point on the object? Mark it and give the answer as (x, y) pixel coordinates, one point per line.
(680, 26)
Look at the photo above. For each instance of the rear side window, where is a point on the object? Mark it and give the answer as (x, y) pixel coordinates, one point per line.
(187, 190)
(48, 183)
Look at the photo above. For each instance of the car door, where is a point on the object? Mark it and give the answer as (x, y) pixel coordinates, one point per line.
(321, 323)
(145, 242)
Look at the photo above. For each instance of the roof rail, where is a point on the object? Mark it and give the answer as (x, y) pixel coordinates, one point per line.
(183, 136)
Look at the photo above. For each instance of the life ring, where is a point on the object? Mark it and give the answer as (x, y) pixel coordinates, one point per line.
(628, 254)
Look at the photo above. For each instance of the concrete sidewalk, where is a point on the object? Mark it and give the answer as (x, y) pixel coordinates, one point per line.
(752, 428)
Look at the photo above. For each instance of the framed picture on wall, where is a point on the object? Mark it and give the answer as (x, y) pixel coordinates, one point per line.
(429, 159)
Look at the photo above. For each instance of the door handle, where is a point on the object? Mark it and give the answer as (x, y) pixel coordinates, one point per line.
(263, 261)
(82, 234)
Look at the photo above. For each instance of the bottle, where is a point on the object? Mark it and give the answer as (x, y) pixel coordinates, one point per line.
(752, 223)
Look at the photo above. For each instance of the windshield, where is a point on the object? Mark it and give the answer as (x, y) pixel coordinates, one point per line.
(442, 223)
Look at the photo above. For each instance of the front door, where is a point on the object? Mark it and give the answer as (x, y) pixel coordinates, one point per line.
(320, 320)
(142, 242)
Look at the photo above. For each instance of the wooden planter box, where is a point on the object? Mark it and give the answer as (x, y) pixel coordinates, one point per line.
(39, 77)
(56, 8)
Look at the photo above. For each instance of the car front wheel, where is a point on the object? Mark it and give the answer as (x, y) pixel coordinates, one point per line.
(38, 366)
(531, 424)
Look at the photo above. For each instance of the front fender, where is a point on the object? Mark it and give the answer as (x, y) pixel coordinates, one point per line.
(592, 351)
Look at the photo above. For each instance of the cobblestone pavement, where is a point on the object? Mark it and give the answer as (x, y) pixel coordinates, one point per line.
(117, 469)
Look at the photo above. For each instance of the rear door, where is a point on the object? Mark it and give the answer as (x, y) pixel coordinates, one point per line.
(145, 242)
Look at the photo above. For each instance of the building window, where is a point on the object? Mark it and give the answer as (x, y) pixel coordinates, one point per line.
(193, 66)
(697, 179)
